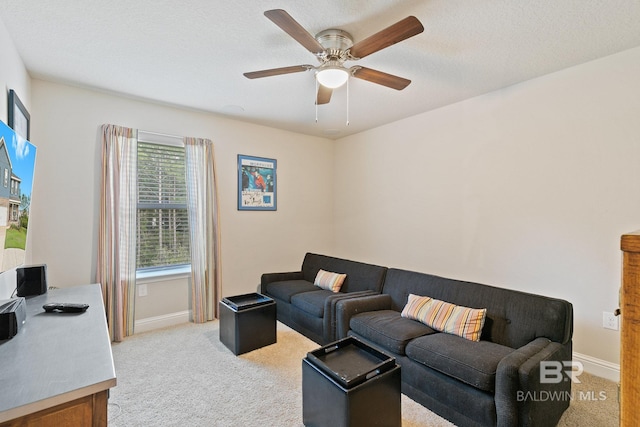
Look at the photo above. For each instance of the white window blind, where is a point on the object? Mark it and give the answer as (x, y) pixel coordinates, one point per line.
(163, 227)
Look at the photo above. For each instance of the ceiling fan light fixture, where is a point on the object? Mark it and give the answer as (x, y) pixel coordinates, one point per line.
(332, 77)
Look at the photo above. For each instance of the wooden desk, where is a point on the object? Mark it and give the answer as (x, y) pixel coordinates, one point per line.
(58, 369)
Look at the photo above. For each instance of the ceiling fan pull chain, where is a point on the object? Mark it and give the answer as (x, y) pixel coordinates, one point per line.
(347, 102)
(316, 101)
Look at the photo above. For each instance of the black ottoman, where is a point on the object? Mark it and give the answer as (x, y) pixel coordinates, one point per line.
(247, 322)
(348, 383)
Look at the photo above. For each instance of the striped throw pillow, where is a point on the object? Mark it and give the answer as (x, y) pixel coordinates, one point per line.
(329, 281)
(446, 317)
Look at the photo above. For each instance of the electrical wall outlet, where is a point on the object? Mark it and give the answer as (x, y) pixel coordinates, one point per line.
(609, 321)
(142, 290)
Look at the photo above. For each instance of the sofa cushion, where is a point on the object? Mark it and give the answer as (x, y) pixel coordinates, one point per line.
(360, 276)
(513, 318)
(472, 362)
(446, 317)
(388, 329)
(286, 289)
(311, 302)
(329, 280)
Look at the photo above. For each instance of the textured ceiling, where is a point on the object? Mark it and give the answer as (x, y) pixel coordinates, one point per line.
(193, 53)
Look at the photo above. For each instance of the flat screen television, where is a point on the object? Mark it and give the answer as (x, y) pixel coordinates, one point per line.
(17, 165)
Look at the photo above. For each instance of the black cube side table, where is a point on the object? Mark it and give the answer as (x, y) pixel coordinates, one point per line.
(247, 322)
(348, 383)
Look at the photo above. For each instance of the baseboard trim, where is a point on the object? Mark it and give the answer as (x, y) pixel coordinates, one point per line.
(157, 322)
(598, 367)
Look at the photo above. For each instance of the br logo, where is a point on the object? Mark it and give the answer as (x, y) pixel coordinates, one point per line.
(554, 372)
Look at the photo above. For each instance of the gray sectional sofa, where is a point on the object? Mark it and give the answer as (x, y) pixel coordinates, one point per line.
(496, 381)
(310, 310)
(500, 380)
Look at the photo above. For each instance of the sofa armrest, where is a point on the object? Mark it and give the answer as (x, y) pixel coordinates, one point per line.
(522, 398)
(330, 311)
(347, 308)
(267, 278)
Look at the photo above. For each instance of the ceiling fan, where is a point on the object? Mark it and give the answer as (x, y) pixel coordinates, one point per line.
(334, 47)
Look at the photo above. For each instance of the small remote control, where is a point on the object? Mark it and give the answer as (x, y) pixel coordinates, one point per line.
(65, 307)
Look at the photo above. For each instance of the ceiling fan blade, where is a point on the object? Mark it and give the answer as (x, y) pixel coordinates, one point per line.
(384, 79)
(401, 30)
(290, 26)
(277, 71)
(324, 95)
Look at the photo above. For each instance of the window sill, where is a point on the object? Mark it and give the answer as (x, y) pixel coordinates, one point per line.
(149, 276)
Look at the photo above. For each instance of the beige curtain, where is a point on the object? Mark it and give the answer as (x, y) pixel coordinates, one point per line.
(203, 228)
(116, 270)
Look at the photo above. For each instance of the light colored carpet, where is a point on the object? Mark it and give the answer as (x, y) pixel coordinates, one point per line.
(184, 376)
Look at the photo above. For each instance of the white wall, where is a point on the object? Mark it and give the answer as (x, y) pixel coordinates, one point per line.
(13, 75)
(528, 188)
(66, 198)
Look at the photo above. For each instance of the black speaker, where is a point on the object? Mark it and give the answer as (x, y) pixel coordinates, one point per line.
(31, 280)
(13, 314)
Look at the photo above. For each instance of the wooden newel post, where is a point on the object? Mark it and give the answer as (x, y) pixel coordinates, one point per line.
(630, 331)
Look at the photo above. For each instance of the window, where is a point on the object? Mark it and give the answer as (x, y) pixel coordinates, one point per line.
(163, 226)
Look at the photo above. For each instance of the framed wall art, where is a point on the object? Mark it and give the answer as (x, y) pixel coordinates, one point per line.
(257, 183)
(19, 117)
